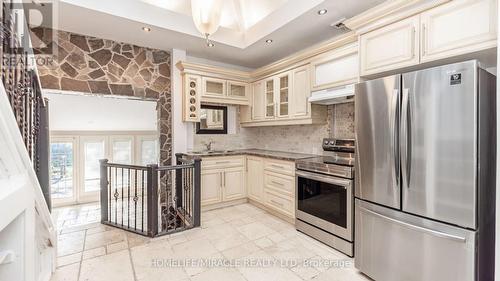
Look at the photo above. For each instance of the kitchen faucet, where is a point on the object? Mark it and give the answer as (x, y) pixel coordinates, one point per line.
(209, 145)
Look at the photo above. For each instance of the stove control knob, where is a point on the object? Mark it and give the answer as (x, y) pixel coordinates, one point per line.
(332, 142)
(326, 142)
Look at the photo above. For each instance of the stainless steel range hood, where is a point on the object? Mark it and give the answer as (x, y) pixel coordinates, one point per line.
(333, 96)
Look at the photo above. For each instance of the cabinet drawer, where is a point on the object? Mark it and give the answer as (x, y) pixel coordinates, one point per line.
(280, 167)
(222, 162)
(280, 183)
(280, 203)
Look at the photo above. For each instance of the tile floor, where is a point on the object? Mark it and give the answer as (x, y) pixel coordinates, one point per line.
(241, 242)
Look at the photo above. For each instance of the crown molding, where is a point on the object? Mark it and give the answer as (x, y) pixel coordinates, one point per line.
(389, 12)
(303, 57)
(298, 59)
(215, 71)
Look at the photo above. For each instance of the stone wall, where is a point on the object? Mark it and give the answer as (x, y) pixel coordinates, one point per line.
(105, 67)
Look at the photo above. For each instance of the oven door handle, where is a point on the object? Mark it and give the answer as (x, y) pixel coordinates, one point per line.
(328, 179)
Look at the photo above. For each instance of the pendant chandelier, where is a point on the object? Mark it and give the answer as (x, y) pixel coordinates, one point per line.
(206, 16)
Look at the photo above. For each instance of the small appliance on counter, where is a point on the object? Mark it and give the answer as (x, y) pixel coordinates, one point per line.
(325, 195)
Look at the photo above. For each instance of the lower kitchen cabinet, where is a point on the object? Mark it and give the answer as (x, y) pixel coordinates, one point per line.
(233, 185)
(222, 180)
(270, 182)
(255, 178)
(211, 183)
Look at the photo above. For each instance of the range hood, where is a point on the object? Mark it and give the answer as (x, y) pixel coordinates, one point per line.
(333, 96)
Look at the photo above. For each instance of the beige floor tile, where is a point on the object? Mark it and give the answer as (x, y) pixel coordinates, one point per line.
(104, 238)
(219, 274)
(151, 263)
(264, 242)
(269, 273)
(69, 259)
(198, 248)
(115, 266)
(116, 247)
(229, 241)
(341, 274)
(94, 253)
(255, 230)
(241, 251)
(305, 272)
(66, 273)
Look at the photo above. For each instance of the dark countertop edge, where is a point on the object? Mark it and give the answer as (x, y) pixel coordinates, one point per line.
(274, 154)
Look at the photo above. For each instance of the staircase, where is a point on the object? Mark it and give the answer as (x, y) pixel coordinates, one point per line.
(27, 233)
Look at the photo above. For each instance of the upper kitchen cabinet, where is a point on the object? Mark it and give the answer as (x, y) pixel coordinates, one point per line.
(300, 107)
(282, 99)
(434, 32)
(216, 90)
(213, 88)
(269, 98)
(208, 84)
(283, 94)
(335, 68)
(391, 47)
(458, 27)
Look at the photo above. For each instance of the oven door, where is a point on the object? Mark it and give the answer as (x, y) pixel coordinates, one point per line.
(325, 202)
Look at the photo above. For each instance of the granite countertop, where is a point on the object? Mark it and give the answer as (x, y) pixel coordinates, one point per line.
(281, 155)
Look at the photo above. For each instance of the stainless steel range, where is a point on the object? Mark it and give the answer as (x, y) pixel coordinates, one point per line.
(325, 198)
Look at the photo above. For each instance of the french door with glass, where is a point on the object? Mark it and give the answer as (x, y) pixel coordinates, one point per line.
(63, 175)
(92, 149)
(75, 167)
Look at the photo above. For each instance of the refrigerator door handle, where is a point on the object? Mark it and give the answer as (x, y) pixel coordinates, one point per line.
(415, 227)
(405, 128)
(395, 135)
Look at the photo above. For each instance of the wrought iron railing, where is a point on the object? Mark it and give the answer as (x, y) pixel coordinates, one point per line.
(21, 83)
(151, 200)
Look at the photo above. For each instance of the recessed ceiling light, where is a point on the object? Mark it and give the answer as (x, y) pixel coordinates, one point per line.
(210, 44)
(322, 12)
(269, 41)
(146, 29)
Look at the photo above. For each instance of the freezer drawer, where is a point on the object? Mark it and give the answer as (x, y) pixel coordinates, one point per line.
(394, 246)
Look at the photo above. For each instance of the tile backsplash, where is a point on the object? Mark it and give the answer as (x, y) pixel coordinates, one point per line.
(300, 138)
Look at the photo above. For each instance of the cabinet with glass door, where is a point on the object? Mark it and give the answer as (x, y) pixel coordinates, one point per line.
(269, 94)
(283, 95)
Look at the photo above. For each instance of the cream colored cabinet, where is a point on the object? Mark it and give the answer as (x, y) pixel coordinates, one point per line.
(258, 101)
(279, 186)
(233, 185)
(335, 68)
(269, 98)
(282, 94)
(255, 178)
(216, 90)
(213, 87)
(299, 104)
(191, 98)
(237, 90)
(458, 27)
(211, 183)
(222, 179)
(391, 47)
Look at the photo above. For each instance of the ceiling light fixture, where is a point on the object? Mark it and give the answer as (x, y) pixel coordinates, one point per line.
(269, 41)
(210, 44)
(146, 29)
(206, 16)
(322, 12)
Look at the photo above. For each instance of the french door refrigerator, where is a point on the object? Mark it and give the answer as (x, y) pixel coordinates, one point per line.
(425, 175)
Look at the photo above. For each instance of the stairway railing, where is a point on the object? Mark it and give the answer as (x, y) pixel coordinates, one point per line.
(24, 92)
(151, 200)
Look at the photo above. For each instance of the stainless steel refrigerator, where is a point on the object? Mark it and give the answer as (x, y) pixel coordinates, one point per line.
(425, 175)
